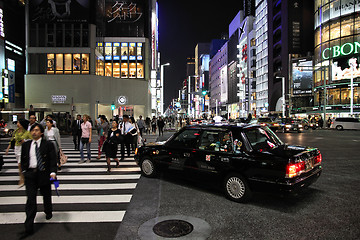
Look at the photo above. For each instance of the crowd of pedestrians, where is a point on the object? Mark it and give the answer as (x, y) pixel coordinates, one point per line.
(37, 147)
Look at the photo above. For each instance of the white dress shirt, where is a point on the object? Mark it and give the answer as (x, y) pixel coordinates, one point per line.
(33, 159)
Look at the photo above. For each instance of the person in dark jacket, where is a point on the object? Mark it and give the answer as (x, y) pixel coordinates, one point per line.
(161, 125)
(76, 131)
(110, 146)
(38, 162)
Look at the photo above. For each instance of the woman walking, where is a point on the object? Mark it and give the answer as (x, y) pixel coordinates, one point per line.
(86, 135)
(110, 146)
(52, 134)
(134, 134)
(19, 136)
(103, 128)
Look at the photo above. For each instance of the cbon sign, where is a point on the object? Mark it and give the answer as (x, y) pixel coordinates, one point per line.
(341, 50)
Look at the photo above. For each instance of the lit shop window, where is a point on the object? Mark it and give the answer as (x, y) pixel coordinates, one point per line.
(59, 63)
(116, 69)
(85, 63)
(121, 59)
(108, 69)
(50, 64)
(124, 70)
(99, 66)
(140, 70)
(68, 63)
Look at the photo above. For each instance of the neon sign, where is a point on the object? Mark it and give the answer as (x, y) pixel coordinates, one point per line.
(343, 50)
(2, 31)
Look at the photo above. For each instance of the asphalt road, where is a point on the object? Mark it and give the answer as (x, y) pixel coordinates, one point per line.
(328, 209)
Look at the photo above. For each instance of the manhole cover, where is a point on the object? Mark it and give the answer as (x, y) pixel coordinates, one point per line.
(173, 228)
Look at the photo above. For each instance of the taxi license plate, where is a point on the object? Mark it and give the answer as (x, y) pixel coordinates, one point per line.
(309, 164)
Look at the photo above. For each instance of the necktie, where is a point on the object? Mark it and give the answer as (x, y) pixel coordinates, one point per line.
(40, 164)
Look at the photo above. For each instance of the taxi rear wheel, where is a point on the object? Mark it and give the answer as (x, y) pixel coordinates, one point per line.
(148, 168)
(236, 188)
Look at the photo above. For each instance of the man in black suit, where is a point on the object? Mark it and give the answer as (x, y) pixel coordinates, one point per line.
(38, 162)
(76, 131)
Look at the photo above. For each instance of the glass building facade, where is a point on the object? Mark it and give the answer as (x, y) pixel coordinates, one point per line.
(336, 61)
(120, 59)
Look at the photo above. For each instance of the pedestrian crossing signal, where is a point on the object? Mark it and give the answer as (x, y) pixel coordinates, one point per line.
(113, 107)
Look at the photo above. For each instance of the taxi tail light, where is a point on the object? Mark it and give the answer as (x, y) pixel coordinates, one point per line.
(318, 159)
(294, 169)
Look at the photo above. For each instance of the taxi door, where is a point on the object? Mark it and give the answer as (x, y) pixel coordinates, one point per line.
(214, 151)
(181, 149)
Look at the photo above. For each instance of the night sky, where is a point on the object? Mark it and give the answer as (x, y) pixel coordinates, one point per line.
(183, 24)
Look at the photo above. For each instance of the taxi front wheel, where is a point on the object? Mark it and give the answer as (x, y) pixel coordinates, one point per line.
(148, 168)
(236, 188)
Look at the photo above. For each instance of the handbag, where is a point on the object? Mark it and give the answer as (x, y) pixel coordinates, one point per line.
(63, 158)
(12, 144)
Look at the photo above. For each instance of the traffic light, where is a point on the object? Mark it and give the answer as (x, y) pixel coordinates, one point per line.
(204, 93)
(113, 107)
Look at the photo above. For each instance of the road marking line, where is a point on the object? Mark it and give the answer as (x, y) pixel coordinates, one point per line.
(115, 186)
(19, 200)
(85, 169)
(65, 217)
(83, 177)
(75, 163)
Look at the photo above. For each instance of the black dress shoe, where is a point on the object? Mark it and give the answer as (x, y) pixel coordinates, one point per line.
(26, 234)
(48, 216)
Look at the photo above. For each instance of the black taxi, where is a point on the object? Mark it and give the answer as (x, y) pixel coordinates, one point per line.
(243, 157)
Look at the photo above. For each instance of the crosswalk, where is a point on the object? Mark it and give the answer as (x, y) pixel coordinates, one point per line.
(88, 193)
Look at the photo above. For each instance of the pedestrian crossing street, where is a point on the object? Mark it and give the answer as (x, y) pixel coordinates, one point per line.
(87, 192)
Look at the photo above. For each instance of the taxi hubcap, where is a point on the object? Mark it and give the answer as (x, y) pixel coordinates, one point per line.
(147, 167)
(235, 187)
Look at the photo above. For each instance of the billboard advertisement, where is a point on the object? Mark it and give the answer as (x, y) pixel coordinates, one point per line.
(302, 75)
(341, 69)
(46, 11)
(126, 18)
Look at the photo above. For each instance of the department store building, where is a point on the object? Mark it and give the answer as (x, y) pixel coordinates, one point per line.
(85, 56)
(337, 58)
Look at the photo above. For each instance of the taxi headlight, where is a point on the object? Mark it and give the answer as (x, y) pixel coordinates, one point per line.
(300, 126)
(288, 126)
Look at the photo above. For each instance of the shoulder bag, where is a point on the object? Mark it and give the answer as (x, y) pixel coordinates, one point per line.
(63, 158)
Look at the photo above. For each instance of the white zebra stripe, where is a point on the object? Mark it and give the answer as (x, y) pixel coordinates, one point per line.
(65, 217)
(111, 186)
(16, 200)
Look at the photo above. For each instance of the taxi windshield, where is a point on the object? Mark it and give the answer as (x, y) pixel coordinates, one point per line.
(262, 138)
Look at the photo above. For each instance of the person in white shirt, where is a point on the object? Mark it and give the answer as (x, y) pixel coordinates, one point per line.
(32, 121)
(126, 127)
(52, 134)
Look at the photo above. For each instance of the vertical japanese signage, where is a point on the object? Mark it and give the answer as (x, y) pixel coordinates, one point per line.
(11, 76)
(2, 31)
(154, 36)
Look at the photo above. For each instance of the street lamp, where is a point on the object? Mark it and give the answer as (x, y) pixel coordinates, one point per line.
(283, 94)
(352, 64)
(162, 86)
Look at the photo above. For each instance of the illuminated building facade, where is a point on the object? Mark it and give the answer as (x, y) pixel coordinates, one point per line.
(91, 55)
(337, 40)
